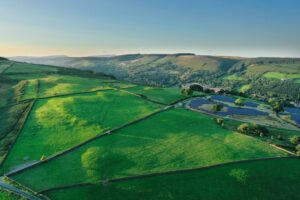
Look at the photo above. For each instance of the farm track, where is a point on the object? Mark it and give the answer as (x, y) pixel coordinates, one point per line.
(171, 172)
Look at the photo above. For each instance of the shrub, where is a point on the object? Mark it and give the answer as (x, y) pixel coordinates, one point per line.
(276, 105)
(216, 107)
(219, 121)
(294, 139)
(186, 91)
(252, 129)
(239, 102)
(240, 175)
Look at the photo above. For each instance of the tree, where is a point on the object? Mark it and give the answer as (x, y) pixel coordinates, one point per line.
(196, 87)
(253, 129)
(91, 162)
(216, 107)
(239, 101)
(186, 91)
(294, 139)
(276, 105)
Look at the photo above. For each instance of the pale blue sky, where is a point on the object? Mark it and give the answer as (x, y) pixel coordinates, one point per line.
(90, 27)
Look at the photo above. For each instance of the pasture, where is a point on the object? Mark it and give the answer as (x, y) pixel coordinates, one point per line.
(56, 124)
(175, 139)
(268, 179)
(162, 95)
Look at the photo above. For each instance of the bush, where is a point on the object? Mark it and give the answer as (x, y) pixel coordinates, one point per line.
(216, 107)
(239, 102)
(276, 105)
(186, 91)
(219, 121)
(252, 129)
(294, 139)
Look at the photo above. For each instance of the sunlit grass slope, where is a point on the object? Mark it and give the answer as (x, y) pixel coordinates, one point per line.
(59, 123)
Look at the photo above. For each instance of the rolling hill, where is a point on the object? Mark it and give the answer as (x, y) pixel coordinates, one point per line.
(74, 134)
(251, 76)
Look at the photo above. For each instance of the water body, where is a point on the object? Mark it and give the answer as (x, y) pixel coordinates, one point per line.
(232, 100)
(229, 110)
(294, 112)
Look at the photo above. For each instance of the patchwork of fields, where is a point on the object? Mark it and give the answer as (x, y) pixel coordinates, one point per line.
(73, 135)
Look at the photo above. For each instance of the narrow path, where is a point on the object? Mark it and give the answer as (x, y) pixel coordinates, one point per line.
(17, 191)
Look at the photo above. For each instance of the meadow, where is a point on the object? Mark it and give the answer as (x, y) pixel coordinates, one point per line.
(74, 118)
(267, 179)
(279, 75)
(175, 139)
(162, 95)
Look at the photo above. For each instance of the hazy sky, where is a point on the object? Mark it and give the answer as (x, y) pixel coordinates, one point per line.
(95, 27)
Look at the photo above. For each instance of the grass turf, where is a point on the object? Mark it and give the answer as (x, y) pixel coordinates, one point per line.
(30, 68)
(269, 179)
(59, 123)
(31, 89)
(58, 84)
(174, 139)
(279, 75)
(4, 195)
(162, 95)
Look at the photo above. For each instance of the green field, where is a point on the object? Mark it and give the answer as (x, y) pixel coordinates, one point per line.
(233, 77)
(30, 69)
(270, 179)
(162, 95)
(59, 123)
(279, 75)
(4, 195)
(57, 84)
(175, 139)
(31, 89)
(244, 88)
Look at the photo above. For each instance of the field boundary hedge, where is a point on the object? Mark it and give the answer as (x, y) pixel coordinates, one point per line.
(171, 172)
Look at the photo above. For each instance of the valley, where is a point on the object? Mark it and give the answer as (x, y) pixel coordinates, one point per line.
(74, 133)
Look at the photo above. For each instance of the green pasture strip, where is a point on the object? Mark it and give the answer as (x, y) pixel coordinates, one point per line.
(279, 75)
(171, 140)
(163, 95)
(265, 179)
(29, 68)
(63, 84)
